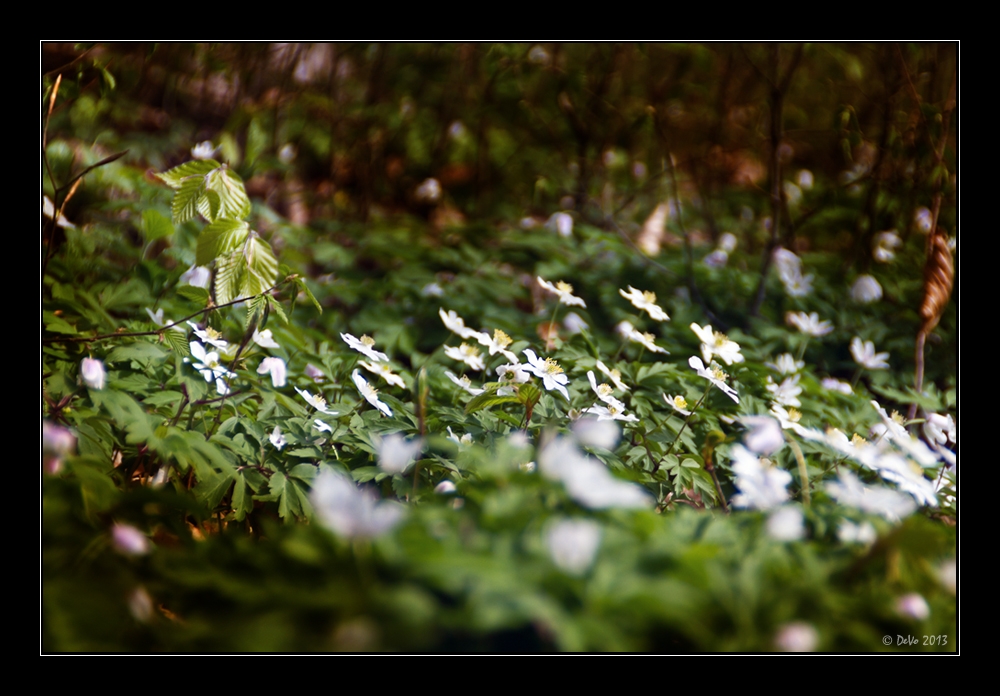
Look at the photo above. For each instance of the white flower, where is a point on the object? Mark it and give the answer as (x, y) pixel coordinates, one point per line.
(604, 392)
(92, 373)
(456, 324)
(594, 432)
(276, 438)
(786, 364)
(924, 219)
(788, 264)
(615, 410)
(797, 636)
(761, 487)
(204, 150)
(865, 355)
(369, 393)
(716, 259)
(805, 179)
(264, 339)
(809, 324)
(512, 374)
(460, 441)
(836, 385)
(850, 533)
(429, 191)
(798, 285)
(351, 512)
(210, 336)
(385, 372)
(209, 366)
(716, 376)
(573, 544)
(396, 453)
(644, 300)
(913, 606)
(877, 500)
(196, 277)
(156, 317)
(614, 375)
(129, 541)
(365, 345)
(432, 290)
(548, 370)
(717, 343)
(633, 334)
(866, 290)
(786, 393)
(947, 574)
(763, 435)
(885, 246)
(786, 524)
(564, 291)
(574, 323)
(321, 426)
(793, 194)
(497, 344)
(588, 481)
(57, 443)
(467, 354)
(317, 402)
(276, 368)
(314, 373)
(678, 403)
(561, 223)
(464, 382)
(940, 429)
(727, 242)
(446, 487)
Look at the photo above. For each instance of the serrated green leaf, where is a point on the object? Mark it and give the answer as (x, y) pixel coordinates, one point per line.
(176, 176)
(262, 267)
(228, 276)
(488, 400)
(190, 292)
(210, 489)
(209, 204)
(277, 308)
(185, 203)
(177, 340)
(312, 298)
(242, 501)
(220, 237)
(233, 200)
(528, 393)
(140, 350)
(155, 225)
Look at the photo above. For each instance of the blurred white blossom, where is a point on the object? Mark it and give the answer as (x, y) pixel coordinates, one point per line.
(129, 541)
(762, 487)
(196, 277)
(866, 290)
(797, 636)
(561, 223)
(276, 368)
(396, 453)
(204, 150)
(370, 393)
(92, 373)
(644, 300)
(350, 512)
(564, 291)
(587, 480)
(913, 606)
(573, 544)
(809, 324)
(786, 524)
(366, 346)
(864, 355)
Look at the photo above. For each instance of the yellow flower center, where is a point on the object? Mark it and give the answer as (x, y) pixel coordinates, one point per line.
(858, 441)
(212, 333)
(563, 286)
(794, 415)
(367, 340)
(898, 417)
(616, 375)
(718, 373)
(469, 351)
(648, 296)
(680, 402)
(551, 367)
(466, 382)
(720, 339)
(501, 339)
(604, 390)
(648, 337)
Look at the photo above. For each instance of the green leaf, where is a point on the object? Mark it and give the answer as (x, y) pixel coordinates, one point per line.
(199, 295)
(242, 502)
(155, 225)
(210, 489)
(177, 340)
(228, 276)
(176, 176)
(220, 237)
(185, 204)
(140, 350)
(262, 267)
(277, 308)
(488, 400)
(312, 298)
(233, 200)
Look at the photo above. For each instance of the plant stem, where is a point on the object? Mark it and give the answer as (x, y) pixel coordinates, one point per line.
(681, 431)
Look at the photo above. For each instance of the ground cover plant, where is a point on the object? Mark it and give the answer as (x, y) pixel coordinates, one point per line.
(499, 348)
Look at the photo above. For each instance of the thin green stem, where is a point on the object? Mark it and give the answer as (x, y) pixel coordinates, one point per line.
(803, 473)
(684, 425)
